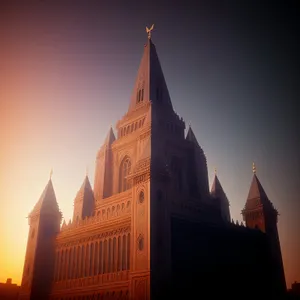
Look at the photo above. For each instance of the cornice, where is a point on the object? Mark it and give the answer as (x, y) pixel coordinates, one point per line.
(78, 237)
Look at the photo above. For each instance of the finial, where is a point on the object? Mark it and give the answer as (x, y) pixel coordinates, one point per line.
(149, 31)
(215, 171)
(87, 171)
(51, 172)
(253, 168)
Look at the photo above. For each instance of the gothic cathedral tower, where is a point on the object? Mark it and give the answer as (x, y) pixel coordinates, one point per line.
(259, 213)
(44, 221)
(151, 161)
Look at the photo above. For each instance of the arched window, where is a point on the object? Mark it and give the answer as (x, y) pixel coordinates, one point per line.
(124, 183)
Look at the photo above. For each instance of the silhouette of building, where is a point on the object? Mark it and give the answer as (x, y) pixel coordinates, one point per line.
(150, 227)
(294, 291)
(9, 290)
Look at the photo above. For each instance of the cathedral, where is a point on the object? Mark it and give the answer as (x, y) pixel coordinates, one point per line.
(150, 227)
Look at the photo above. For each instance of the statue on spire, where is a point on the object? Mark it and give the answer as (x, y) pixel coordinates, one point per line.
(253, 168)
(149, 31)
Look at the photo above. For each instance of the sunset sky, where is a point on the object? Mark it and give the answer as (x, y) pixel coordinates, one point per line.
(66, 75)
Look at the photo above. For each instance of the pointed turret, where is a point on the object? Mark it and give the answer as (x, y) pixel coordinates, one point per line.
(191, 137)
(218, 194)
(150, 84)
(257, 196)
(260, 213)
(84, 201)
(44, 221)
(103, 175)
(47, 203)
(110, 138)
(198, 174)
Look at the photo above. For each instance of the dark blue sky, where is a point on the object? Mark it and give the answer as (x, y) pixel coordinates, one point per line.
(232, 70)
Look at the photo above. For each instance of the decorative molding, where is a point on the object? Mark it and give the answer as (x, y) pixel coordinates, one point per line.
(95, 237)
(90, 281)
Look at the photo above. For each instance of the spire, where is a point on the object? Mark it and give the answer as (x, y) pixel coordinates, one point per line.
(84, 200)
(257, 195)
(47, 202)
(217, 189)
(150, 83)
(85, 189)
(191, 136)
(110, 138)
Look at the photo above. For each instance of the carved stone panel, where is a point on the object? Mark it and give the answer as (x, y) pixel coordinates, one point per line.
(141, 289)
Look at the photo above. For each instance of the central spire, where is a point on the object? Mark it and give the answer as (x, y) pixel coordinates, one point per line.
(150, 84)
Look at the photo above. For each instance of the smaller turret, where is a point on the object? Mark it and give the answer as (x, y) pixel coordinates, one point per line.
(84, 202)
(44, 221)
(219, 195)
(103, 175)
(260, 213)
(198, 174)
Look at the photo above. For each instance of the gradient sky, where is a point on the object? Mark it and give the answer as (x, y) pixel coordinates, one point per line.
(67, 72)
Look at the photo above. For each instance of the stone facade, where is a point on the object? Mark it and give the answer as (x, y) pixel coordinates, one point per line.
(120, 243)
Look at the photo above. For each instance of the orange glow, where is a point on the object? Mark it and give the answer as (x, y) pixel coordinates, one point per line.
(41, 129)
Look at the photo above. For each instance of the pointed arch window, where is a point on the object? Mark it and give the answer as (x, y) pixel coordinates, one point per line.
(140, 95)
(125, 167)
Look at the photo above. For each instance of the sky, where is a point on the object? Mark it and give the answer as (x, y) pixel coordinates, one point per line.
(67, 72)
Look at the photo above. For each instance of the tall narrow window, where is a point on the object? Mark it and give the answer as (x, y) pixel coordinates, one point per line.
(114, 256)
(142, 96)
(91, 273)
(119, 254)
(101, 258)
(82, 261)
(70, 263)
(105, 257)
(128, 251)
(124, 253)
(96, 261)
(109, 265)
(77, 275)
(74, 263)
(124, 183)
(65, 272)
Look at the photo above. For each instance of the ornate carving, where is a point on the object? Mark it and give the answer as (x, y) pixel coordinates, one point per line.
(103, 235)
(141, 289)
(140, 242)
(141, 197)
(93, 280)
